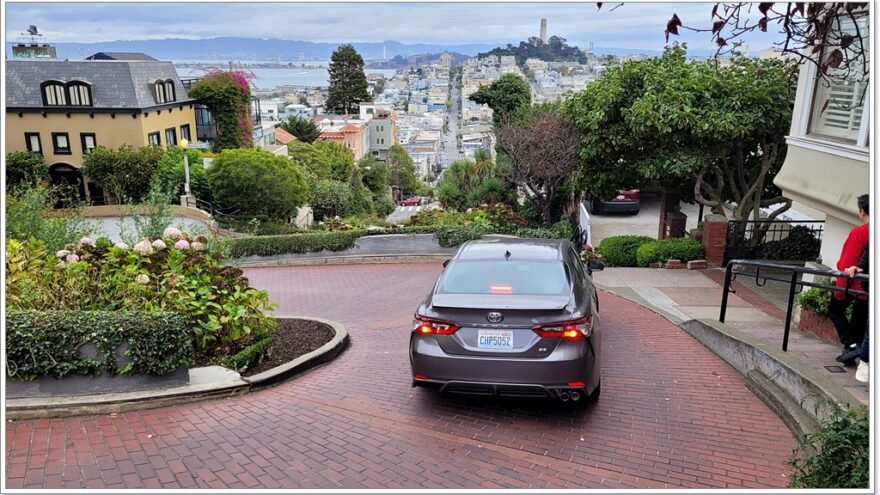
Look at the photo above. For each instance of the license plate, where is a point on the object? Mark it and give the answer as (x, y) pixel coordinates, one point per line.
(495, 339)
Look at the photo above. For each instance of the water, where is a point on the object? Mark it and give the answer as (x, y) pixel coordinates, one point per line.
(270, 77)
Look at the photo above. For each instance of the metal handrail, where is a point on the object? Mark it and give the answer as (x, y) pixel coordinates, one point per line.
(730, 276)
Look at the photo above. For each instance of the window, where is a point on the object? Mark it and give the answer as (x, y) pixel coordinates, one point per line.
(169, 91)
(170, 136)
(838, 104)
(184, 132)
(54, 94)
(153, 139)
(88, 142)
(80, 94)
(61, 143)
(32, 140)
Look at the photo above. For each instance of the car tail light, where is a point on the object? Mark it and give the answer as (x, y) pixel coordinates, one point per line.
(500, 289)
(571, 330)
(432, 326)
(570, 384)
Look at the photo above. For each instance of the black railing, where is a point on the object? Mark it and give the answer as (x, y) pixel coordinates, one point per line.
(795, 286)
(745, 237)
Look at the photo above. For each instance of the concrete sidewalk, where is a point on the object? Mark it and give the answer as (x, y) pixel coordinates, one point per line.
(682, 295)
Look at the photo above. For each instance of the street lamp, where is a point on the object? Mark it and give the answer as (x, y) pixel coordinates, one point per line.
(184, 144)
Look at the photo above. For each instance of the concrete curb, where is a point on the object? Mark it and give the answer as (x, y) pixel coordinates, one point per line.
(75, 405)
(336, 346)
(344, 260)
(800, 396)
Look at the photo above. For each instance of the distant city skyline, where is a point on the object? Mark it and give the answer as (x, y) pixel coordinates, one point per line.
(637, 26)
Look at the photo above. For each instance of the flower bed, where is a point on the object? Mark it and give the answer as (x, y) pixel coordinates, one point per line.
(173, 274)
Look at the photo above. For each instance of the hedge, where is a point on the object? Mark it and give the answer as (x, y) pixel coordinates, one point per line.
(620, 250)
(47, 343)
(248, 355)
(683, 249)
(800, 245)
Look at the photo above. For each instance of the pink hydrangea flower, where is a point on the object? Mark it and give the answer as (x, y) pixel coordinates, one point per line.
(121, 245)
(181, 244)
(87, 241)
(72, 257)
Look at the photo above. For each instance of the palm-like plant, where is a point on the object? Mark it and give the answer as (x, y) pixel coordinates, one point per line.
(484, 165)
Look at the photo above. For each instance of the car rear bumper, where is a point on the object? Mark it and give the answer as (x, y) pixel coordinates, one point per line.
(524, 377)
(621, 206)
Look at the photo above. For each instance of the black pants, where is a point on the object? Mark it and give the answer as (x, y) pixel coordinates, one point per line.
(850, 331)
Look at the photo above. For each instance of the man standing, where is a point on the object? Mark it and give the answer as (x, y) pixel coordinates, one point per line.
(851, 331)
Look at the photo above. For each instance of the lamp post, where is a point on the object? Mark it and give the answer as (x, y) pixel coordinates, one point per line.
(184, 144)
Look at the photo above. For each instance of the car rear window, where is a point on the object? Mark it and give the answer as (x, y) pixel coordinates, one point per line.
(533, 278)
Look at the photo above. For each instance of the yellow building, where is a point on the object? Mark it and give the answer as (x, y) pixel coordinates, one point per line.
(63, 109)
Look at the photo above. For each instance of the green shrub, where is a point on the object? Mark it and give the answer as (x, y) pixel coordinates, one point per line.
(815, 299)
(249, 355)
(668, 249)
(295, 243)
(563, 229)
(48, 343)
(621, 250)
(25, 169)
(30, 213)
(837, 455)
(383, 205)
(126, 173)
(800, 245)
(453, 236)
(329, 199)
(537, 233)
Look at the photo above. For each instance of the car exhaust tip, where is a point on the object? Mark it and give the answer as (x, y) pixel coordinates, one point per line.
(563, 396)
(575, 396)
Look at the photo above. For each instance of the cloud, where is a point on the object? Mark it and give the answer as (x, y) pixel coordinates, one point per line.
(633, 25)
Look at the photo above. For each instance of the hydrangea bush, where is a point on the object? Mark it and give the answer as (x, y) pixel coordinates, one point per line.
(172, 274)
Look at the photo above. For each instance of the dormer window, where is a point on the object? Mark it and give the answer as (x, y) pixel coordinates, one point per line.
(54, 93)
(164, 91)
(80, 93)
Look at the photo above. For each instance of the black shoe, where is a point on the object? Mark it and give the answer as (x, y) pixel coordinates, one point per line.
(849, 355)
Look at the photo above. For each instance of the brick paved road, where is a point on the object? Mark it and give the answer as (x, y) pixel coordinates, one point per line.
(671, 414)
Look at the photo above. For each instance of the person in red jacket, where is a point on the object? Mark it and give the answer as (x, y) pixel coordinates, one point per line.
(851, 331)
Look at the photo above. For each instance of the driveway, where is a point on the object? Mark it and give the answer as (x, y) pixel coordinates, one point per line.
(671, 414)
(402, 214)
(646, 223)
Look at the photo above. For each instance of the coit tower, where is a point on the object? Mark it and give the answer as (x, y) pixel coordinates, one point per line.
(544, 30)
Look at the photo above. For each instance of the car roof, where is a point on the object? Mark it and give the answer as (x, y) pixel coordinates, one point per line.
(519, 248)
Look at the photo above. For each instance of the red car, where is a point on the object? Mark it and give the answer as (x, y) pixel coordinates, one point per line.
(626, 201)
(415, 201)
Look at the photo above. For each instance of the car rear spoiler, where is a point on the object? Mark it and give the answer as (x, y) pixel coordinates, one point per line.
(494, 301)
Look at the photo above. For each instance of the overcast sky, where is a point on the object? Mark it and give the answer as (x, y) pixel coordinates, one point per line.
(633, 25)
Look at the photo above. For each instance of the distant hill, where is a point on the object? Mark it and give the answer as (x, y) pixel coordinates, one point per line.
(554, 50)
(234, 48)
(401, 62)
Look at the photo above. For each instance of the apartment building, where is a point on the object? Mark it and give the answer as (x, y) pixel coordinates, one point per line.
(64, 109)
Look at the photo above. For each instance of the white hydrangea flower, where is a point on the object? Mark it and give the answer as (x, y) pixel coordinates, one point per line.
(144, 247)
(121, 245)
(159, 244)
(87, 241)
(62, 253)
(142, 279)
(171, 233)
(197, 246)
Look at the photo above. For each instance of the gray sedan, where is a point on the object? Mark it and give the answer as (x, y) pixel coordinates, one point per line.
(510, 317)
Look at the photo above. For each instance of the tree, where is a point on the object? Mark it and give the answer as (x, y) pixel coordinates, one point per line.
(543, 153)
(401, 169)
(375, 175)
(172, 174)
(506, 96)
(25, 169)
(348, 83)
(228, 97)
(256, 182)
(126, 173)
(304, 130)
(714, 134)
(339, 158)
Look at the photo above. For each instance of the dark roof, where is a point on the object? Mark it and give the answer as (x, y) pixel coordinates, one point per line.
(494, 248)
(121, 56)
(115, 84)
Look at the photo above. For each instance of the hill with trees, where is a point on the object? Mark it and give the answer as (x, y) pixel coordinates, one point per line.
(554, 50)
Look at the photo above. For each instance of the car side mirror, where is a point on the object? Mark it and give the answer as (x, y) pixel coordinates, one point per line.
(595, 266)
(446, 262)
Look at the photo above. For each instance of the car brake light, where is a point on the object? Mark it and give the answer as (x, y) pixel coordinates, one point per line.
(501, 289)
(571, 330)
(429, 326)
(570, 384)
(421, 377)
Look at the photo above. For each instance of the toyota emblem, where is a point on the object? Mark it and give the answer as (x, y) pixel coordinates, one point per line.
(494, 317)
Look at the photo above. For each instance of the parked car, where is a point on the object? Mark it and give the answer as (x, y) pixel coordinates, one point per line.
(512, 317)
(414, 201)
(626, 201)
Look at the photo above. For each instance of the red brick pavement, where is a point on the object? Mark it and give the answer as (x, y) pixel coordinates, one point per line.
(671, 414)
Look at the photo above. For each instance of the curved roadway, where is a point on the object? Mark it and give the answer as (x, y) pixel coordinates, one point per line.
(671, 414)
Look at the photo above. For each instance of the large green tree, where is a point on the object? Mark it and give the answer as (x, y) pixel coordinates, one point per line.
(507, 96)
(126, 173)
(348, 83)
(256, 182)
(25, 169)
(713, 133)
(323, 160)
(402, 170)
(304, 130)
